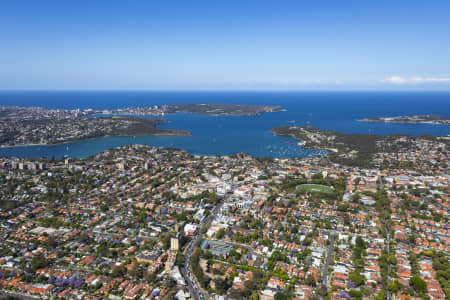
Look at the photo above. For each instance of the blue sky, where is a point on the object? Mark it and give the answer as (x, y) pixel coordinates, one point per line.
(225, 45)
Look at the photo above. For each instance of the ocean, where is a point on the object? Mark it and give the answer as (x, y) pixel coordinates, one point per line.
(223, 135)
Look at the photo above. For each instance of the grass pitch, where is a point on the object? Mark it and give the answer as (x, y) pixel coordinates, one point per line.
(315, 188)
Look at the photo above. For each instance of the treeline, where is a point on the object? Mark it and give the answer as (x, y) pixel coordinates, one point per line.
(442, 266)
(197, 269)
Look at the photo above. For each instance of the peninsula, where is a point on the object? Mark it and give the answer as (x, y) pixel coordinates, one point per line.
(20, 126)
(212, 109)
(415, 119)
(353, 149)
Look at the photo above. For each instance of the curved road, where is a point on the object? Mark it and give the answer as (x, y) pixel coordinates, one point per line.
(194, 287)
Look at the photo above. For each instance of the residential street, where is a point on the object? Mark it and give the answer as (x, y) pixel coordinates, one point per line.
(186, 270)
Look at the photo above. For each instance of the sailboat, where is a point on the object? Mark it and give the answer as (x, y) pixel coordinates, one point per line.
(67, 150)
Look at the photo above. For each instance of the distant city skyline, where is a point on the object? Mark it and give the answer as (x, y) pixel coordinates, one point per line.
(225, 45)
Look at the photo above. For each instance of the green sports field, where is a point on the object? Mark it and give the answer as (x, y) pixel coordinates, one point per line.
(315, 188)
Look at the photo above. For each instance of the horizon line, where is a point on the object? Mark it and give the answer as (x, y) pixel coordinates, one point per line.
(227, 90)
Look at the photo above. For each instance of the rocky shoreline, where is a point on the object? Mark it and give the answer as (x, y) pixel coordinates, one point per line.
(416, 119)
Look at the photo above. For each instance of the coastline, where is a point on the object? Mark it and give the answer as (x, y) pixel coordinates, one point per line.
(401, 122)
(226, 134)
(442, 120)
(92, 138)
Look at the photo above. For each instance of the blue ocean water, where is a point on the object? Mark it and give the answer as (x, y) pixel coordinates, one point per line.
(338, 111)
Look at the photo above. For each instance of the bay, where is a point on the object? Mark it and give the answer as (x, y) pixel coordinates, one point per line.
(338, 111)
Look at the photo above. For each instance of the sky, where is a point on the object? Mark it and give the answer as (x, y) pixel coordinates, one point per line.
(224, 45)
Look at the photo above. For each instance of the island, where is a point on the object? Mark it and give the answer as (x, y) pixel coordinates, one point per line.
(415, 119)
(354, 149)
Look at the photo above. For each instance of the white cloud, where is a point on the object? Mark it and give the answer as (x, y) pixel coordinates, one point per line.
(415, 80)
(395, 80)
(429, 79)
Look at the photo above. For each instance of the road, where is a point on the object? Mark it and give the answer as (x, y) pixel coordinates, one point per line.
(324, 279)
(17, 295)
(193, 285)
(388, 277)
(380, 187)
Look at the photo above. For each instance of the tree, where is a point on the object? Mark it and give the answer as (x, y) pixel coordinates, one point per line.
(355, 294)
(166, 241)
(360, 242)
(220, 233)
(358, 279)
(356, 197)
(103, 249)
(394, 286)
(50, 242)
(180, 259)
(38, 261)
(343, 207)
(418, 284)
(221, 285)
(281, 296)
(137, 271)
(323, 291)
(310, 280)
(392, 259)
(118, 271)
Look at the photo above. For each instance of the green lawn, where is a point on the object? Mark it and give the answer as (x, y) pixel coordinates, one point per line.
(315, 188)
